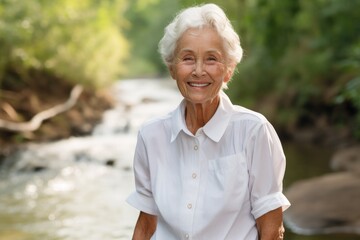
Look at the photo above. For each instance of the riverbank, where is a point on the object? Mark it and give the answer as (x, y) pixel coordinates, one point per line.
(21, 103)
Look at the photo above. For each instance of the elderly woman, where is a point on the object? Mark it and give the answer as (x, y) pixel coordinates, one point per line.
(209, 170)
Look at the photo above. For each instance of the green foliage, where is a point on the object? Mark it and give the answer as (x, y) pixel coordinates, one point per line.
(351, 93)
(301, 58)
(77, 41)
(147, 19)
(303, 54)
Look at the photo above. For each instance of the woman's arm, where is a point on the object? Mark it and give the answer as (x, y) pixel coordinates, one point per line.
(270, 225)
(145, 226)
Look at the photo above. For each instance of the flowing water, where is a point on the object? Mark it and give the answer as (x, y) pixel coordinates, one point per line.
(75, 189)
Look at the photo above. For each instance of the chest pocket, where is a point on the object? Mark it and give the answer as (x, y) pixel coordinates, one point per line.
(228, 163)
(227, 181)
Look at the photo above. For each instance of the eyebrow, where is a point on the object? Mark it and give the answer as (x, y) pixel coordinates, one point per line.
(208, 51)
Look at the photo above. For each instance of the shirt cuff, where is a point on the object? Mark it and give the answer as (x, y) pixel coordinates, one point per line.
(269, 203)
(142, 203)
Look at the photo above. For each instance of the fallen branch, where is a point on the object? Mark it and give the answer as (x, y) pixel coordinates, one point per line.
(37, 120)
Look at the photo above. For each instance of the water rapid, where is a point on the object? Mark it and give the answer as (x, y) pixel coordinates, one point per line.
(75, 189)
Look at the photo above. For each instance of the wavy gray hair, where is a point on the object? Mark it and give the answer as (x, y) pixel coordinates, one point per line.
(197, 17)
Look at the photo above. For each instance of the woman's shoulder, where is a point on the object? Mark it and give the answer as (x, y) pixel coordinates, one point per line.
(155, 124)
(251, 121)
(244, 114)
(155, 121)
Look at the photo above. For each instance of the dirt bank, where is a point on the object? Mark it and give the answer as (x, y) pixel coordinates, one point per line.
(19, 103)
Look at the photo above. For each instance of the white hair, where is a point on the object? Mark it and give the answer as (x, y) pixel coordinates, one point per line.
(207, 15)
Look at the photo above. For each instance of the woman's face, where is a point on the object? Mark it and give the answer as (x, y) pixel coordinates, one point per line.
(200, 66)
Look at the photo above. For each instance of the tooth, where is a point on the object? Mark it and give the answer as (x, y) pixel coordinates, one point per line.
(199, 84)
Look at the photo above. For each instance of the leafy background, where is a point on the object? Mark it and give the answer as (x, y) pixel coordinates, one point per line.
(301, 66)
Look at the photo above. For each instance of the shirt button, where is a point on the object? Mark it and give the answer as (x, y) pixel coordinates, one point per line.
(189, 206)
(194, 175)
(187, 236)
(196, 147)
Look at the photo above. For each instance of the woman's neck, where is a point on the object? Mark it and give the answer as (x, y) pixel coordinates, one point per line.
(198, 114)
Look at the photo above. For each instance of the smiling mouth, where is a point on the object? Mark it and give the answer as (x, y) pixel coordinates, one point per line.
(192, 84)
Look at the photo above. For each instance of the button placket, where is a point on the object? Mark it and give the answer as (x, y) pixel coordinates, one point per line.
(197, 153)
(192, 186)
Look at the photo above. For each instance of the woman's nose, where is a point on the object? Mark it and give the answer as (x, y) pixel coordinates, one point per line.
(199, 68)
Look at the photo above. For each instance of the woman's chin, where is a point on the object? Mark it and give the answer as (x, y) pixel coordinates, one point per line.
(200, 99)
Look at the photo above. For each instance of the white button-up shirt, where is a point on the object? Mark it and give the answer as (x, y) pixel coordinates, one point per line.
(211, 185)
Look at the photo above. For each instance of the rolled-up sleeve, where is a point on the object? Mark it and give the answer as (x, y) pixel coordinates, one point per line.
(142, 198)
(267, 169)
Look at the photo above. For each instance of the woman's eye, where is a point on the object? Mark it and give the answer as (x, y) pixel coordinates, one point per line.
(186, 59)
(211, 59)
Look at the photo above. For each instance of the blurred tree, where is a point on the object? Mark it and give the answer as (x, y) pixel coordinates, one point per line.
(148, 19)
(301, 55)
(76, 41)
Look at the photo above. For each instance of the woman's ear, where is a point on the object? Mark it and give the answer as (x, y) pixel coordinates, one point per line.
(229, 73)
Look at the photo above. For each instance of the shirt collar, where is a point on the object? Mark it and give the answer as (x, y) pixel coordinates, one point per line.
(216, 126)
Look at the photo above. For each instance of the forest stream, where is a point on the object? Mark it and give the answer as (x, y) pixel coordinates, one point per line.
(75, 189)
